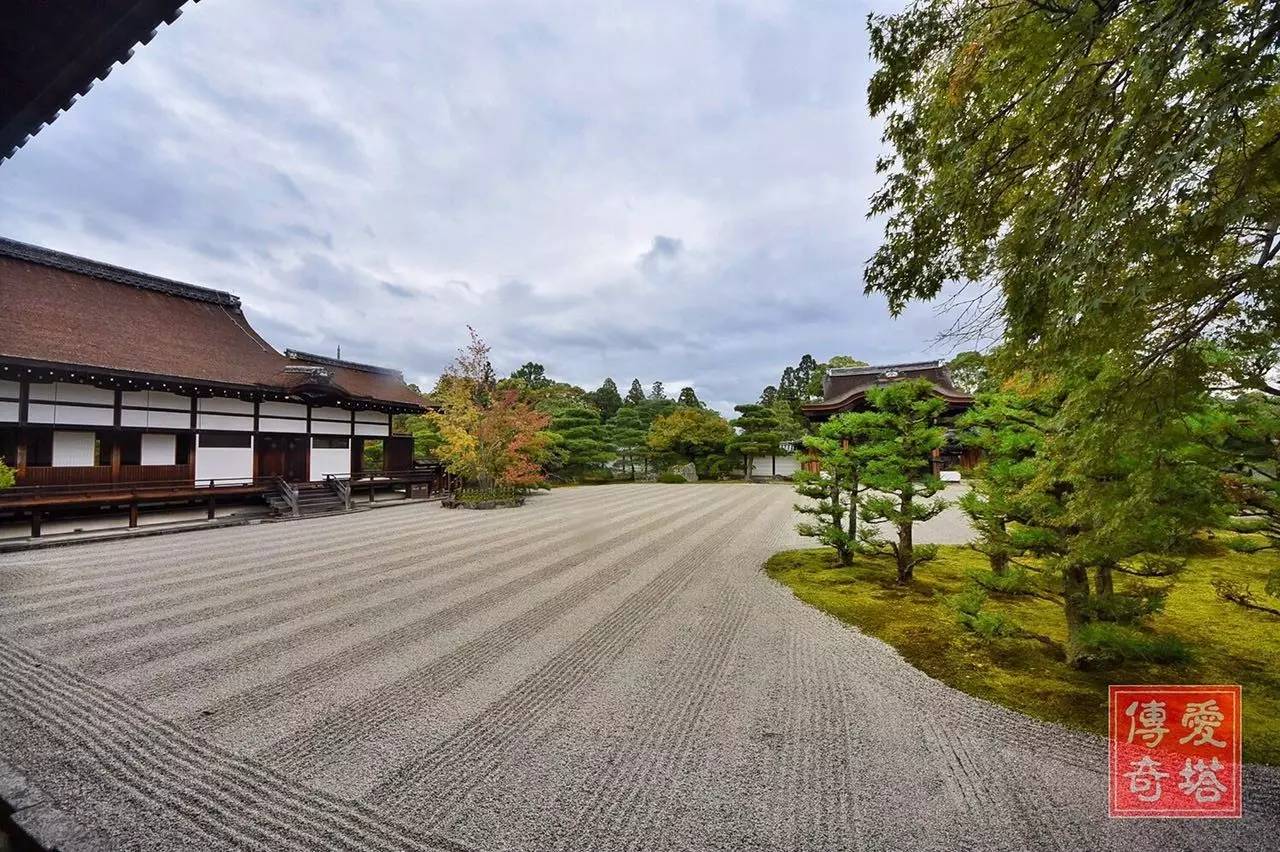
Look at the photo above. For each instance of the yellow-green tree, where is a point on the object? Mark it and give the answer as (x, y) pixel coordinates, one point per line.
(696, 435)
(487, 435)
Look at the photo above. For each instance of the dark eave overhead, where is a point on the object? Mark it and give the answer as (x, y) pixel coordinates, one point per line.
(53, 51)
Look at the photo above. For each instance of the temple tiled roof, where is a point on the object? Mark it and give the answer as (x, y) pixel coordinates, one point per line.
(65, 311)
(845, 388)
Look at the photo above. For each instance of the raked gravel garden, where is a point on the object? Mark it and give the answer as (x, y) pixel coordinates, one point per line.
(603, 668)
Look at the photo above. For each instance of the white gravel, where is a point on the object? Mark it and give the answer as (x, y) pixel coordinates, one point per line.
(604, 669)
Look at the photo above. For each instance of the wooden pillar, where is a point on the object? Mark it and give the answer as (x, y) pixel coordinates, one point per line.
(35, 523)
(408, 490)
(115, 457)
(370, 490)
(20, 463)
(133, 513)
(209, 513)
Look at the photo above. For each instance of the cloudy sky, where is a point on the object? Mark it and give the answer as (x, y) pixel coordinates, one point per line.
(663, 190)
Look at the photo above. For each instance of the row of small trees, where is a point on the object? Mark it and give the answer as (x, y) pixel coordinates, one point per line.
(1059, 507)
(875, 466)
(519, 430)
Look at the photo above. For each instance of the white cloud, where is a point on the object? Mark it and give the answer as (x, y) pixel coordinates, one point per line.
(668, 190)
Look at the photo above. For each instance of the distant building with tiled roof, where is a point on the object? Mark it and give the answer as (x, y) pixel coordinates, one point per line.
(845, 388)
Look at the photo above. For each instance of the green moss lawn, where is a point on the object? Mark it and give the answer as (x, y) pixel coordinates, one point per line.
(1229, 643)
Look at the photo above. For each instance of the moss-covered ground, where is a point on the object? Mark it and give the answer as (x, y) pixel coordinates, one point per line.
(1229, 644)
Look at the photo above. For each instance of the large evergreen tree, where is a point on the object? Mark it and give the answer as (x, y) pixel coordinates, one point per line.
(657, 393)
(803, 375)
(787, 389)
(635, 395)
(607, 399)
(688, 397)
(1112, 167)
(534, 375)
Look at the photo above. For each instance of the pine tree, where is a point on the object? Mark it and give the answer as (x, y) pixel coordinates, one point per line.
(768, 395)
(657, 392)
(836, 487)
(803, 375)
(1116, 495)
(627, 433)
(787, 385)
(756, 435)
(688, 397)
(533, 375)
(581, 442)
(607, 399)
(635, 395)
(1009, 430)
(896, 438)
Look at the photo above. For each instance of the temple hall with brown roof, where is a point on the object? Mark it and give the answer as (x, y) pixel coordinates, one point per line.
(110, 376)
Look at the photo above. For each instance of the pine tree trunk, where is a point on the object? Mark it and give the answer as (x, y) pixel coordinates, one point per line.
(1105, 582)
(853, 510)
(746, 468)
(1000, 558)
(906, 549)
(1075, 591)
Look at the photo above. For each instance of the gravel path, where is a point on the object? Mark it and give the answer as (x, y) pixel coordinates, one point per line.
(604, 669)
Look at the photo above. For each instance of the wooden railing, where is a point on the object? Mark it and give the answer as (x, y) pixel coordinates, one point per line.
(341, 487)
(288, 492)
(101, 474)
(114, 489)
(419, 474)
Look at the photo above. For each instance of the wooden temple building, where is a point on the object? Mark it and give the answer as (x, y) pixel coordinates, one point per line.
(119, 386)
(845, 389)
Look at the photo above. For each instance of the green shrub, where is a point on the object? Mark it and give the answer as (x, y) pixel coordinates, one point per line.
(597, 477)
(671, 478)
(1245, 544)
(7, 476)
(967, 606)
(1106, 644)
(487, 495)
(1016, 582)
(1135, 604)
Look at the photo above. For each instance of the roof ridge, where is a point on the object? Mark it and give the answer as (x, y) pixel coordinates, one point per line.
(880, 368)
(298, 355)
(115, 274)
